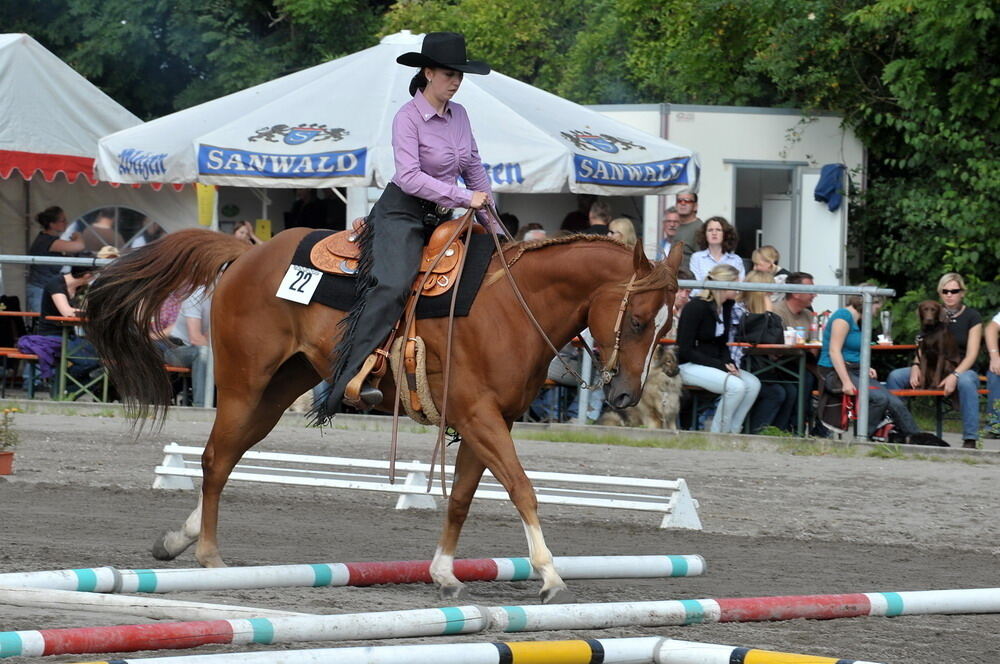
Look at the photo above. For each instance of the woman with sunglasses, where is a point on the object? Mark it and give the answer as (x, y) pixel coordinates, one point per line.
(966, 326)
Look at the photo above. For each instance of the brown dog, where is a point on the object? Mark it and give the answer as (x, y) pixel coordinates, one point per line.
(937, 353)
(660, 402)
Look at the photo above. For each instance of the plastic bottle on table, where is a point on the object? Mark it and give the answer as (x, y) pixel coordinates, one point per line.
(813, 328)
(800, 335)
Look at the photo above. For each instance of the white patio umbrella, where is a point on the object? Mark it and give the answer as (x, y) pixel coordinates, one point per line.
(330, 126)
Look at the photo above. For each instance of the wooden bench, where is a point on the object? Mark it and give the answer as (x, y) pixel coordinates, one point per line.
(181, 464)
(939, 401)
(9, 354)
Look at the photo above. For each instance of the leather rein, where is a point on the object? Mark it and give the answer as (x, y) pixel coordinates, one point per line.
(606, 371)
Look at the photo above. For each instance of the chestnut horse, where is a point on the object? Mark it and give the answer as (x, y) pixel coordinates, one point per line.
(268, 351)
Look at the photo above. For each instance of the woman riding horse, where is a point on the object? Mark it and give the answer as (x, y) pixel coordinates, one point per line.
(433, 144)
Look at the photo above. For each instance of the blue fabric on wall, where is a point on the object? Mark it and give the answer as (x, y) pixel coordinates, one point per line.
(828, 189)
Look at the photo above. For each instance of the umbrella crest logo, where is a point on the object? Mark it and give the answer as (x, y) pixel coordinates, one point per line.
(585, 140)
(299, 134)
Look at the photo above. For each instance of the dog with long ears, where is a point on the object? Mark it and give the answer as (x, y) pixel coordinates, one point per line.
(659, 405)
(938, 354)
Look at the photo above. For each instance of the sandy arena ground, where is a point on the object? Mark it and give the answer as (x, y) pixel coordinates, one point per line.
(775, 524)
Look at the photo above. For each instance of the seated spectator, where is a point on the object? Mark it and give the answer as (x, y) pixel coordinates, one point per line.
(107, 252)
(48, 243)
(243, 230)
(623, 230)
(717, 242)
(993, 377)
(511, 223)
(704, 354)
(599, 217)
(522, 232)
(191, 331)
(765, 259)
(57, 300)
(682, 297)
(535, 234)
(839, 363)
(574, 222)
(966, 326)
(546, 405)
(775, 404)
(690, 224)
(795, 309)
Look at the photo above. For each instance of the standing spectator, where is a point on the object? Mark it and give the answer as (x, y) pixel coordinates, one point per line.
(623, 230)
(192, 332)
(993, 377)
(717, 240)
(307, 211)
(102, 232)
(687, 210)
(966, 326)
(600, 217)
(795, 309)
(705, 360)
(671, 222)
(47, 243)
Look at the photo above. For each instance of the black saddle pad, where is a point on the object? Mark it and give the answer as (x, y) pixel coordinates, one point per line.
(337, 291)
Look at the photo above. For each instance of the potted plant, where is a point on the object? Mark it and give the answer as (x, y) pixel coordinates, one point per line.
(8, 440)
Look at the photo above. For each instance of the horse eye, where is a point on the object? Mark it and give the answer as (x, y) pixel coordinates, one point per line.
(637, 325)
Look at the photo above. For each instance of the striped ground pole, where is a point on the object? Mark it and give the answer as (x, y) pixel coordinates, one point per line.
(675, 651)
(162, 636)
(470, 619)
(641, 650)
(750, 609)
(108, 579)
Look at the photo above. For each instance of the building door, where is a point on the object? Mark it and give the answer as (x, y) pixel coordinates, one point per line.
(763, 209)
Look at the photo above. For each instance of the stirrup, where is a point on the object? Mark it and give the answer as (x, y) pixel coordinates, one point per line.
(359, 395)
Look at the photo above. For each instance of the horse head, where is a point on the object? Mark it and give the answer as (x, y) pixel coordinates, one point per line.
(629, 319)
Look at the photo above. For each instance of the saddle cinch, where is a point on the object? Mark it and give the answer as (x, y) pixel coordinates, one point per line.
(442, 257)
(339, 254)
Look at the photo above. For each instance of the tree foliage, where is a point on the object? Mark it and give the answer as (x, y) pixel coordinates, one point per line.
(158, 56)
(917, 80)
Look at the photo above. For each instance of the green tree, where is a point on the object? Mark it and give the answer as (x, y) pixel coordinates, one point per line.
(158, 56)
(918, 82)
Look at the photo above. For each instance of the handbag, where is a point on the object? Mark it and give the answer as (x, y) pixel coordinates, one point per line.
(765, 328)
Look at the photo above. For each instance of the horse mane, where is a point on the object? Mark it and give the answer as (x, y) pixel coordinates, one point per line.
(661, 276)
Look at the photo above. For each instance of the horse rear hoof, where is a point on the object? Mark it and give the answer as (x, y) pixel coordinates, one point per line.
(160, 551)
(558, 595)
(452, 593)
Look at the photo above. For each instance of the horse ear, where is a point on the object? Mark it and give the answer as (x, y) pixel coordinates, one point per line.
(640, 263)
(675, 257)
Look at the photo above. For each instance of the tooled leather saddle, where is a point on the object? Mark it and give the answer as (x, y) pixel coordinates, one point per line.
(339, 254)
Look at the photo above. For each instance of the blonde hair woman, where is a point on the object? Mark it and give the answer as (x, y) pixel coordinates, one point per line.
(623, 230)
(702, 336)
(966, 326)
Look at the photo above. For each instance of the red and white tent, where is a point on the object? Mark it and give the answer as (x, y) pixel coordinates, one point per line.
(51, 119)
(50, 116)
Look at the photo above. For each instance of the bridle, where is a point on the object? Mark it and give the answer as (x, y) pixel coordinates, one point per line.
(606, 372)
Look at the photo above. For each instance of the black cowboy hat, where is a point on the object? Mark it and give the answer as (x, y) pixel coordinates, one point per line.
(443, 49)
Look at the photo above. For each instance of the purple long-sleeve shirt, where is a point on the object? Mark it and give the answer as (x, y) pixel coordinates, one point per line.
(431, 150)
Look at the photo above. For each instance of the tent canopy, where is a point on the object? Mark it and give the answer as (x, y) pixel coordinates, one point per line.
(52, 116)
(330, 126)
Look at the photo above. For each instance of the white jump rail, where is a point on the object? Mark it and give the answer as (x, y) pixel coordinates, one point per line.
(181, 464)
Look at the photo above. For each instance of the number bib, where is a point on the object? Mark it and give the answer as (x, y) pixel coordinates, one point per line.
(299, 284)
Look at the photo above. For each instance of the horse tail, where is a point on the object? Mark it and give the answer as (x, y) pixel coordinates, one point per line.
(123, 304)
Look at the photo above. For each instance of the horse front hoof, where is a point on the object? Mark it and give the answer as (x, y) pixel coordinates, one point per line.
(160, 550)
(558, 595)
(452, 593)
